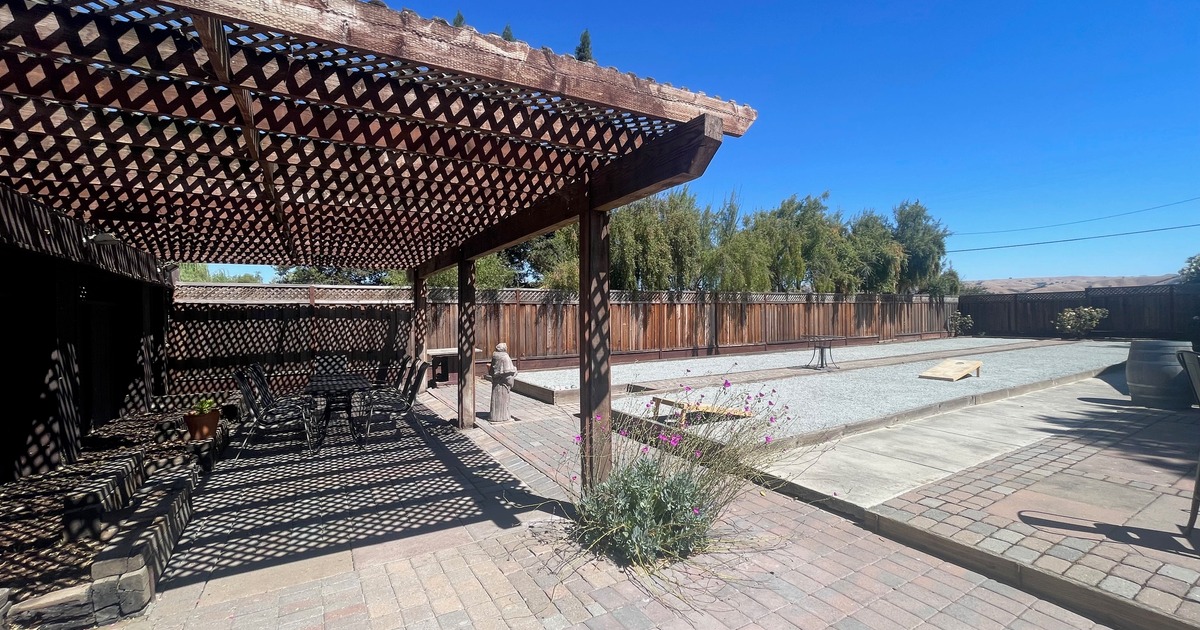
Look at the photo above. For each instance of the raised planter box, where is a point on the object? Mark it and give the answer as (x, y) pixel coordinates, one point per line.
(126, 571)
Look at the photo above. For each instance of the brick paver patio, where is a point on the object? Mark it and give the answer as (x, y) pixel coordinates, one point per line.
(505, 562)
(1101, 504)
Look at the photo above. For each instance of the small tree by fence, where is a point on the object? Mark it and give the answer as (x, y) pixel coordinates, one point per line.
(1152, 312)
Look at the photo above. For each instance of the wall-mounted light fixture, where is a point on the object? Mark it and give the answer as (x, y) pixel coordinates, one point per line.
(102, 238)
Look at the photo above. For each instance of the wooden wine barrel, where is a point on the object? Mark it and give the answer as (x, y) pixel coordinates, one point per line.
(1154, 375)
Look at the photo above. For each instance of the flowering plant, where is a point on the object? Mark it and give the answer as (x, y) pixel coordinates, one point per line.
(674, 476)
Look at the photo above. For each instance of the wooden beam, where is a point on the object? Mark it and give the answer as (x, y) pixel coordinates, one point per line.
(680, 156)
(466, 344)
(404, 35)
(216, 44)
(420, 321)
(595, 377)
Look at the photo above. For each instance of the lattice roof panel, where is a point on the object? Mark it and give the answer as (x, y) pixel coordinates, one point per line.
(328, 132)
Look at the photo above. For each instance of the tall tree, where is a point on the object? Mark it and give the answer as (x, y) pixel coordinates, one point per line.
(329, 275)
(491, 272)
(924, 241)
(1190, 274)
(733, 259)
(459, 20)
(556, 259)
(583, 51)
(880, 257)
(507, 35)
(199, 272)
(655, 243)
(945, 284)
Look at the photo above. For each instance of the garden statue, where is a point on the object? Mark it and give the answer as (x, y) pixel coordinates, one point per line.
(503, 373)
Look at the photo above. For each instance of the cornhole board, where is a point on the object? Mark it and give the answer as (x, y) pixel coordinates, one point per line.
(952, 370)
(686, 408)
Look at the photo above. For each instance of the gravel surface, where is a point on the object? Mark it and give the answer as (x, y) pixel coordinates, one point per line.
(829, 399)
(625, 373)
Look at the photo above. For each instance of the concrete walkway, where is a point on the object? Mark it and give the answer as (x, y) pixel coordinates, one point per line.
(1070, 491)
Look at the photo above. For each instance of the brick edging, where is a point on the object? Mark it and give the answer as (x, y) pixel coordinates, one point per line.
(1088, 601)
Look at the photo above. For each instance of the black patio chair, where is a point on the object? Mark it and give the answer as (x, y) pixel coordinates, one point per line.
(275, 416)
(396, 399)
(403, 368)
(1191, 364)
(400, 367)
(267, 397)
(324, 364)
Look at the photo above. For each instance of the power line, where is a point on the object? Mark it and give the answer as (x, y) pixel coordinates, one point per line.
(1072, 240)
(1111, 216)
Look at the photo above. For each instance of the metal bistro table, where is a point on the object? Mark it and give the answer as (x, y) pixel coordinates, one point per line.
(338, 391)
(822, 352)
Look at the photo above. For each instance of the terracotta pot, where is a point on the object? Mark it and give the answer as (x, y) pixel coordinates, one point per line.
(202, 426)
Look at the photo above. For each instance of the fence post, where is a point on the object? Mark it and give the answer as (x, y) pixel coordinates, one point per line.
(1016, 319)
(1171, 312)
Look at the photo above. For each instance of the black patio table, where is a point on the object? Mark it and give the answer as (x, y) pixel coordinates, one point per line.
(338, 391)
(822, 351)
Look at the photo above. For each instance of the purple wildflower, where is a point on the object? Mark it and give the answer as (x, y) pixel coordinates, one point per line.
(768, 438)
(697, 454)
(675, 439)
(696, 511)
(578, 439)
(727, 384)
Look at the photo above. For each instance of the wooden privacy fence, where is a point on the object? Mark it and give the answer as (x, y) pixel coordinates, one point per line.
(1158, 312)
(217, 327)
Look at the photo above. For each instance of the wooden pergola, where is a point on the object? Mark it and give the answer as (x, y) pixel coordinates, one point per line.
(341, 133)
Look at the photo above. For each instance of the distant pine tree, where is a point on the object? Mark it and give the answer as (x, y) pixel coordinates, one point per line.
(459, 20)
(507, 34)
(583, 51)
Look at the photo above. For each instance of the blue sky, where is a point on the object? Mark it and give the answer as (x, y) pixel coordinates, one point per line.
(995, 115)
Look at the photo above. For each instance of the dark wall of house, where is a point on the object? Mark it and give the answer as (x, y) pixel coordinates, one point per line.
(85, 346)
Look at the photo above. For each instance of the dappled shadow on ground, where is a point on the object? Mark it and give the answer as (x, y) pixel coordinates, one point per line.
(275, 504)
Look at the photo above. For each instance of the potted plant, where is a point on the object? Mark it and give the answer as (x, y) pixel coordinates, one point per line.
(202, 419)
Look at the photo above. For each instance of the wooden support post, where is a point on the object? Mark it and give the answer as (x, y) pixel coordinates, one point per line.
(466, 344)
(420, 320)
(595, 379)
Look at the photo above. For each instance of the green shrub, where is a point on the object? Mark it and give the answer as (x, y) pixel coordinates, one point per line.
(674, 476)
(960, 324)
(641, 515)
(1078, 322)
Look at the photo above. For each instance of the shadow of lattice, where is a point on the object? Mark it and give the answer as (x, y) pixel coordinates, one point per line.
(275, 504)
